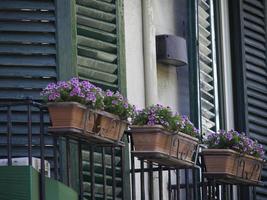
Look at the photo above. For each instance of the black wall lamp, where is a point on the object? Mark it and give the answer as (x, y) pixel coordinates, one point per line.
(171, 50)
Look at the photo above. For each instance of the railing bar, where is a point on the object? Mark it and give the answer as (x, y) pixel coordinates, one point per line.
(142, 180)
(194, 174)
(151, 185)
(133, 178)
(177, 184)
(29, 134)
(231, 192)
(42, 149)
(9, 140)
(205, 191)
(113, 173)
(133, 170)
(68, 161)
(80, 160)
(238, 192)
(169, 184)
(217, 191)
(122, 171)
(154, 169)
(160, 183)
(92, 172)
(254, 193)
(104, 173)
(55, 152)
(187, 193)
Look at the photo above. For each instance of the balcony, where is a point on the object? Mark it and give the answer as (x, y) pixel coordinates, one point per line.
(93, 171)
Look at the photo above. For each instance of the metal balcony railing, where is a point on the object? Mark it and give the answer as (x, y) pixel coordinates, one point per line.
(96, 171)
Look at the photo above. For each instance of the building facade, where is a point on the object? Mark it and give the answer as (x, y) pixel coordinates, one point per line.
(112, 43)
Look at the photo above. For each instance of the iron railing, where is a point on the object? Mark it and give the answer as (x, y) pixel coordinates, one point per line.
(101, 167)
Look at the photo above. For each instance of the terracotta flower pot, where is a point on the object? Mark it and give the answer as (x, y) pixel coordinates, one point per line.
(110, 126)
(71, 115)
(231, 163)
(184, 146)
(154, 140)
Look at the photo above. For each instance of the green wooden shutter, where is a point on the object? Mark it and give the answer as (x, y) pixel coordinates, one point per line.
(97, 39)
(27, 48)
(27, 64)
(207, 67)
(250, 71)
(99, 60)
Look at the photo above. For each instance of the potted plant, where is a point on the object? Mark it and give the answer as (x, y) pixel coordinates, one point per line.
(79, 105)
(113, 119)
(70, 103)
(162, 136)
(234, 156)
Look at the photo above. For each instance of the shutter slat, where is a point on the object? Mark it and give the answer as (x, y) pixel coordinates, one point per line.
(97, 75)
(26, 4)
(99, 5)
(254, 27)
(27, 26)
(25, 71)
(98, 44)
(103, 26)
(22, 60)
(253, 10)
(255, 52)
(26, 15)
(96, 54)
(96, 34)
(13, 37)
(96, 64)
(27, 49)
(96, 14)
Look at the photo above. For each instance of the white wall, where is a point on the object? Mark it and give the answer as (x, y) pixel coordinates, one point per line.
(134, 52)
(165, 15)
(164, 22)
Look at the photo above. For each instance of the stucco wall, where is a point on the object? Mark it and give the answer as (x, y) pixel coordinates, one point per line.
(134, 52)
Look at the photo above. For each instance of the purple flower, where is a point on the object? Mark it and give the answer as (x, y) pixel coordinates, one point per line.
(109, 93)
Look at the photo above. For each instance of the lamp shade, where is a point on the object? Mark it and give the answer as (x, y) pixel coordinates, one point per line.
(171, 50)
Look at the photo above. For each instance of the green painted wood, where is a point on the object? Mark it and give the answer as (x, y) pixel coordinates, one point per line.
(59, 191)
(97, 43)
(66, 39)
(26, 4)
(249, 51)
(207, 67)
(22, 183)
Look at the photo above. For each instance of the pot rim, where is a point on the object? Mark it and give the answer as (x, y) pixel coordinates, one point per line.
(66, 103)
(228, 152)
(109, 115)
(148, 128)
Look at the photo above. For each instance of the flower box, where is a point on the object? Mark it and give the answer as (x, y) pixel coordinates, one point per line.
(80, 110)
(230, 166)
(110, 126)
(77, 121)
(156, 144)
(71, 115)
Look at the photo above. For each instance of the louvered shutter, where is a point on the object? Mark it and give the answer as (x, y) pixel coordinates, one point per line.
(250, 72)
(207, 66)
(27, 64)
(98, 56)
(97, 39)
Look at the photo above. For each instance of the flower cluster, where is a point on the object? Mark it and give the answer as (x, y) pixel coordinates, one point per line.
(86, 93)
(160, 115)
(235, 141)
(76, 91)
(116, 104)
